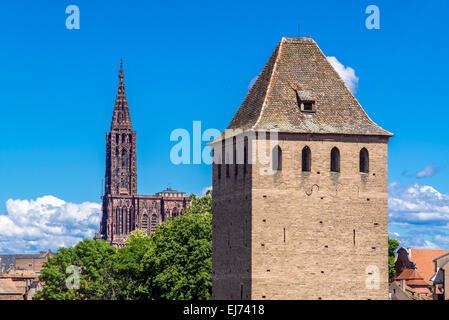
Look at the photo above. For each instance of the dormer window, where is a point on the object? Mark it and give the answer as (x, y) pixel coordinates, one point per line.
(307, 106)
(306, 101)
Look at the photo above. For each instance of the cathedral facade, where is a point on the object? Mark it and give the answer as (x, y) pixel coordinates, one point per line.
(123, 210)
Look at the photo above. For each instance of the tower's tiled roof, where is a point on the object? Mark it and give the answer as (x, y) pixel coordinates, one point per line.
(299, 69)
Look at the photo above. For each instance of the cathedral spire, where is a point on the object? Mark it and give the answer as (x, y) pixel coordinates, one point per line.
(121, 118)
(120, 74)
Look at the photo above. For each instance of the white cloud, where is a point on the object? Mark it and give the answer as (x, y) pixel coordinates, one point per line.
(30, 226)
(428, 245)
(429, 171)
(252, 82)
(421, 214)
(442, 238)
(418, 203)
(203, 193)
(346, 73)
(393, 184)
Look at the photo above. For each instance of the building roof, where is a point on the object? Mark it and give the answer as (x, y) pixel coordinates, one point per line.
(424, 260)
(121, 118)
(440, 257)
(298, 69)
(9, 260)
(409, 274)
(19, 274)
(413, 278)
(418, 282)
(170, 190)
(403, 261)
(7, 286)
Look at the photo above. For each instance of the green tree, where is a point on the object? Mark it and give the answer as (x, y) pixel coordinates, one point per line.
(128, 267)
(200, 204)
(179, 263)
(93, 259)
(393, 244)
(174, 263)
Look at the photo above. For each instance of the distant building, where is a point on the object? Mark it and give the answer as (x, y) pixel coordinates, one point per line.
(29, 262)
(8, 290)
(424, 260)
(22, 271)
(441, 276)
(420, 274)
(414, 284)
(402, 262)
(312, 222)
(123, 210)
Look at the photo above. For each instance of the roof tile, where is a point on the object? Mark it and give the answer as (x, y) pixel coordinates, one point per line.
(298, 65)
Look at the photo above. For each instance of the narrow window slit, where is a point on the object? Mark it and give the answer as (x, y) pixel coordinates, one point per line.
(306, 159)
(335, 160)
(364, 161)
(276, 159)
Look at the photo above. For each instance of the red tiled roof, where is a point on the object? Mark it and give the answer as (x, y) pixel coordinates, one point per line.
(410, 274)
(418, 282)
(7, 286)
(421, 290)
(424, 260)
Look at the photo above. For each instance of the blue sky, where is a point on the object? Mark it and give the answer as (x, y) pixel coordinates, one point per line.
(191, 61)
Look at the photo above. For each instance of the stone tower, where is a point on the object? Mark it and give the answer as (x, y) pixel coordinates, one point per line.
(123, 210)
(309, 219)
(121, 169)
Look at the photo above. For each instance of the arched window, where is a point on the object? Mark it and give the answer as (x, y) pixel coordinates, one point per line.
(335, 160)
(117, 220)
(276, 158)
(122, 215)
(145, 222)
(124, 155)
(126, 220)
(227, 166)
(174, 212)
(245, 155)
(219, 168)
(131, 219)
(234, 156)
(306, 159)
(153, 223)
(117, 162)
(364, 161)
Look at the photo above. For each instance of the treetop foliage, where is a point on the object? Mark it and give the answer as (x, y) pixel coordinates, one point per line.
(174, 263)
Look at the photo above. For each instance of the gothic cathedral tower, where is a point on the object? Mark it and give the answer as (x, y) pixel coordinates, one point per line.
(123, 210)
(121, 169)
(300, 188)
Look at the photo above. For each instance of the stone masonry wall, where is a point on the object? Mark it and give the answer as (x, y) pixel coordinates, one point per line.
(231, 232)
(313, 235)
